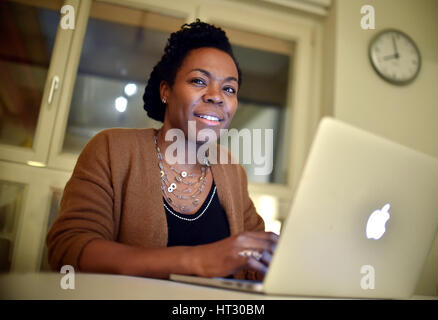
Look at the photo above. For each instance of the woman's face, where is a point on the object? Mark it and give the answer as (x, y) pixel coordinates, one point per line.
(204, 91)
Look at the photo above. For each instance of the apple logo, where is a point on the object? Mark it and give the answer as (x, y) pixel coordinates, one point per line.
(376, 223)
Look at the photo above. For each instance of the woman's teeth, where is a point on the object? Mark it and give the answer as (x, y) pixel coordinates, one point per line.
(211, 118)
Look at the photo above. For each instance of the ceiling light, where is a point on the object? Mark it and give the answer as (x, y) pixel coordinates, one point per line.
(130, 89)
(121, 103)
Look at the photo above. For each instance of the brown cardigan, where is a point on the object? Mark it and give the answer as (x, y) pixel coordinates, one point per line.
(114, 194)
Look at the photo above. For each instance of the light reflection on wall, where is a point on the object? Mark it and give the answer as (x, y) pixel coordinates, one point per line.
(268, 208)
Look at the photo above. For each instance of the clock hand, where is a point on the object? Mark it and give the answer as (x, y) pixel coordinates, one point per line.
(396, 55)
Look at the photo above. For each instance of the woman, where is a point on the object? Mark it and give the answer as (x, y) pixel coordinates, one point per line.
(127, 210)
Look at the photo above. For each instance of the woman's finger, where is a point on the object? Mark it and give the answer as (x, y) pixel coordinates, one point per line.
(266, 258)
(244, 243)
(269, 236)
(257, 266)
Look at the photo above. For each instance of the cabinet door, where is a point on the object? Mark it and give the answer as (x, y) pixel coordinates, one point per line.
(28, 204)
(52, 214)
(114, 58)
(33, 52)
(11, 200)
(276, 51)
(263, 105)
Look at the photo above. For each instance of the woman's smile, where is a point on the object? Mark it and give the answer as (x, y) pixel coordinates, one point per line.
(209, 120)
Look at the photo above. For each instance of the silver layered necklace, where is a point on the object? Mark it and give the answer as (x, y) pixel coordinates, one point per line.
(187, 186)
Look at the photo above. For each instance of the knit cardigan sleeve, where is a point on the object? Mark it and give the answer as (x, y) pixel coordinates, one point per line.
(86, 209)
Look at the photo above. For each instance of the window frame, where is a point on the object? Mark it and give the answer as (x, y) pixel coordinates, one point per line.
(47, 113)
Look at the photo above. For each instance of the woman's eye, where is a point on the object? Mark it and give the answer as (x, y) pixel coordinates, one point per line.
(230, 90)
(198, 81)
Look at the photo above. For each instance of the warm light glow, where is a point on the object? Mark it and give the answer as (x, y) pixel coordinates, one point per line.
(267, 208)
(36, 164)
(130, 89)
(121, 103)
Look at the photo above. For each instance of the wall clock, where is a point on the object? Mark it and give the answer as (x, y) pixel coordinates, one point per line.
(395, 57)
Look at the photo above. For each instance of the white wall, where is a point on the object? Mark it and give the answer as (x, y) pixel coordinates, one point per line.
(353, 92)
(405, 114)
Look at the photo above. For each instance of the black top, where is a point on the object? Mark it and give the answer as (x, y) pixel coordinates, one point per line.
(210, 226)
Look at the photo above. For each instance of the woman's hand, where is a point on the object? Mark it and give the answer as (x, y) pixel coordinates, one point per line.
(221, 258)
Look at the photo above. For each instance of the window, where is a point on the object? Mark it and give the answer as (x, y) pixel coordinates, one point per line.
(28, 36)
(120, 48)
(265, 64)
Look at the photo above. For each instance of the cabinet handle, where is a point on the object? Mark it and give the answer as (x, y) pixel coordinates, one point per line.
(53, 87)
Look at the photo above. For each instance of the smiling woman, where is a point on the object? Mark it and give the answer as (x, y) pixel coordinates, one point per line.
(205, 91)
(128, 210)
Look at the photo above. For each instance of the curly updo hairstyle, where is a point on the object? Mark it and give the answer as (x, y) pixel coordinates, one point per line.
(191, 36)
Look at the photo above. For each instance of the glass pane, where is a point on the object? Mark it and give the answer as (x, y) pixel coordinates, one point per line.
(115, 53)
(262, 105)
(26, 44)
(54, 210)
(11, 196)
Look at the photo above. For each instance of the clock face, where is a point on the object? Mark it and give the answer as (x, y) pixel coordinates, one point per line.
(395, 57)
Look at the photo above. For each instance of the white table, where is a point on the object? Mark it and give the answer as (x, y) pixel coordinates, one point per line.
(41, 286)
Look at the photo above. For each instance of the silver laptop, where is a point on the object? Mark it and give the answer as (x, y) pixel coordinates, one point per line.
(362, 222)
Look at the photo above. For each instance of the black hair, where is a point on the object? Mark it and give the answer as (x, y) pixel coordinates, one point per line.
(191, 36)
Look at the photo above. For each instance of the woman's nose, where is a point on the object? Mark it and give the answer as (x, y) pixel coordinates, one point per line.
(213, 95)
